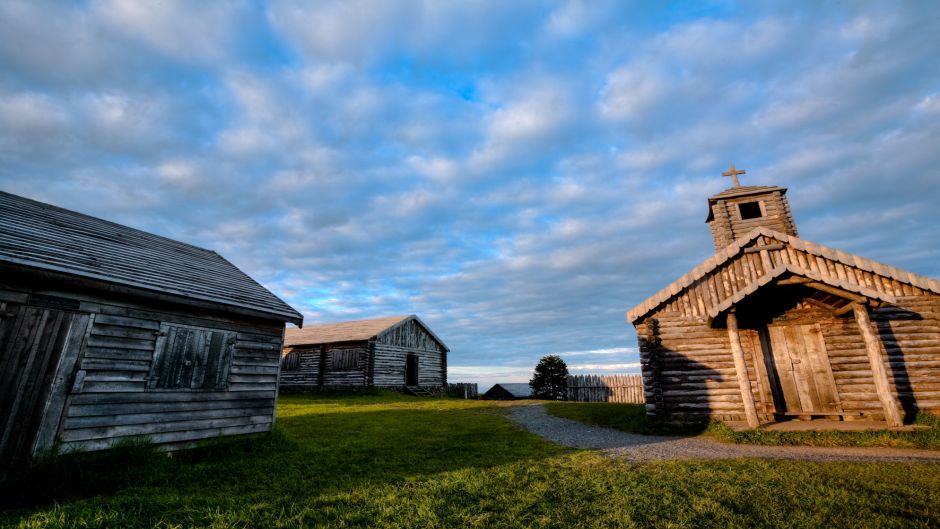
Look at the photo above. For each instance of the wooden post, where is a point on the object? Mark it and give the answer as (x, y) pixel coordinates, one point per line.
(892, 415)
(740, 369)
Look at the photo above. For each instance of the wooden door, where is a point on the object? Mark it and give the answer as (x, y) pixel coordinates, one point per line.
(797, 358)
(34, 375)
(411, 370)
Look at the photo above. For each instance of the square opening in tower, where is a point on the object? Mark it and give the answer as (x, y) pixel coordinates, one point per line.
(750, 210)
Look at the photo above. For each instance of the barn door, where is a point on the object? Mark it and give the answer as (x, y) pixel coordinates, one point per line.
(804, 381)
(34, 375)
(411, 370)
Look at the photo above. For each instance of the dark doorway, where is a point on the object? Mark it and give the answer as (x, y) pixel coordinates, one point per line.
(799, 370)
(411, 370)
(32, 340)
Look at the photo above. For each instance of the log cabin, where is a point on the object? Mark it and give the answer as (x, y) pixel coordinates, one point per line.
(773, 327)
(108, 332)
(397, 352)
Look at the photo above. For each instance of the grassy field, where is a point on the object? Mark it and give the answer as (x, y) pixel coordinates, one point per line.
(394, 461)
(632, 418)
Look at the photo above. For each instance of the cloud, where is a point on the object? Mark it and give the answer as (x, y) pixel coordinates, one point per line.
(519, 174)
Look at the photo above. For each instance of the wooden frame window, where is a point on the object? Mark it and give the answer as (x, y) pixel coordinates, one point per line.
(345, 359)
(191, 358)
(750, 210)
(290, 361)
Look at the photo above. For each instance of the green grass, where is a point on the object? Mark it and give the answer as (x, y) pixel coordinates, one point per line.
(394, 461)
(632, 418)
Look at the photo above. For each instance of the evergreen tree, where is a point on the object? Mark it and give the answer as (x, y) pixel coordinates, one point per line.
(551, 379)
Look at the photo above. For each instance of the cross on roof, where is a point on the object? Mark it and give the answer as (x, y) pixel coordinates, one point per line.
(733, 173)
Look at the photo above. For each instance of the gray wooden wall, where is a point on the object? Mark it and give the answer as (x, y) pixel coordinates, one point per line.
(307, 373)
(386, 368)
(391, 351)
(108, 398)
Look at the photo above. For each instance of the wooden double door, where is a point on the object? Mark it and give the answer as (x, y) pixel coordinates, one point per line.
(38, 351)
(798, 370)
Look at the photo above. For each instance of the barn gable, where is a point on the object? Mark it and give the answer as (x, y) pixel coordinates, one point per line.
(413, 333)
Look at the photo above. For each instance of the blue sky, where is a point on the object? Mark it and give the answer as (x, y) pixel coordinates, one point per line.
(519, 174)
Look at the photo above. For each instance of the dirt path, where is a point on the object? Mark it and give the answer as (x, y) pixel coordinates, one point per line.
(634, 447)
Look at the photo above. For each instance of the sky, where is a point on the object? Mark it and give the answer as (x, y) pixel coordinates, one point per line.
(519, 174)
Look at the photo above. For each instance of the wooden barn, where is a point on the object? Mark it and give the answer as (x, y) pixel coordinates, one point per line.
(107, 332)
(773, 327)
(397, 352)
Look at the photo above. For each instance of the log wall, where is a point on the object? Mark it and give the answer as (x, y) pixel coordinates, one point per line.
(315, 367)
(381, 362)
(727, 224)
(689, 371)
(107, 398)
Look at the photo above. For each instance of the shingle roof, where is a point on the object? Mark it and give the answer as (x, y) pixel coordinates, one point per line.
(47, 237)
(346, 331)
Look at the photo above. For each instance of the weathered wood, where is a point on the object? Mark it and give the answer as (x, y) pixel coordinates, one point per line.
(737, 352)
(882, 386)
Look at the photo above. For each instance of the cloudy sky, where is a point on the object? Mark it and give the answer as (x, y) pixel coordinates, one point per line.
(519, 174)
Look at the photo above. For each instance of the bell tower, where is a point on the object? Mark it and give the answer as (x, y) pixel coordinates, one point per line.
(739, 209)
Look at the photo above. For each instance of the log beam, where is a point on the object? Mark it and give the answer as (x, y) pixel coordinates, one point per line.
(740, 368)
(837, 292)
(892, 415)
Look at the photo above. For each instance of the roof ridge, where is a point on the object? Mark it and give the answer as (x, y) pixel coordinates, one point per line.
(730, 251)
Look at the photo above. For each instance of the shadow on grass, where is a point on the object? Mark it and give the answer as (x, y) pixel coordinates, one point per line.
(630, 418)
(322, 444)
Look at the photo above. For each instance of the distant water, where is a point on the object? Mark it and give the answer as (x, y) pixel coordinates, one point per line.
(519, 389)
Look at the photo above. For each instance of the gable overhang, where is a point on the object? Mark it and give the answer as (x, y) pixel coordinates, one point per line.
(785, 274)
(423, 325)
(747, 243)
(100, 284)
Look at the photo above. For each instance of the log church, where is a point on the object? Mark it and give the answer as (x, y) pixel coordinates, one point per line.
(773, 327)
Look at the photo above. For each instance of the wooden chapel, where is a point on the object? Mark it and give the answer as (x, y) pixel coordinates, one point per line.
(773, 327)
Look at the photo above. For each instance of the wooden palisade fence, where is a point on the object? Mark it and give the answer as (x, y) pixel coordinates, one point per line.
(463, 390)
(609, 388)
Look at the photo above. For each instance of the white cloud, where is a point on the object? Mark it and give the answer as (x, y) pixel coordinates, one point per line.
(184, 30)
(602, 351)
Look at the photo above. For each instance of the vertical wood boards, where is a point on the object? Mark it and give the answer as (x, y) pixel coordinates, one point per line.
(32, 342)
(607, 388)
(187, 357)
(803, 370)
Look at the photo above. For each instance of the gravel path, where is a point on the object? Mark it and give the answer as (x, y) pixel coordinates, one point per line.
(634, 447)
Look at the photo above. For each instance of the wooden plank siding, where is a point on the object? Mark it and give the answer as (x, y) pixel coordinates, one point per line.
(105, 396)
